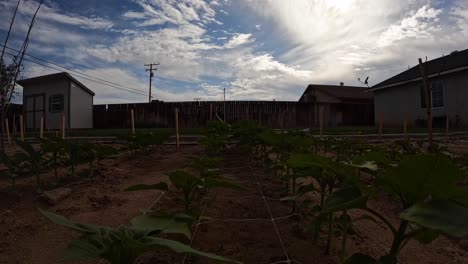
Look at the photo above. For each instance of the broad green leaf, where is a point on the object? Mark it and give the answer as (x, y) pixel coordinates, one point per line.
(165, 224)
(447, 217)
(420, 176)
(162, 186)
(83, 249)
(183, 179)
(182, 248)
(344, 199)
(60, 220)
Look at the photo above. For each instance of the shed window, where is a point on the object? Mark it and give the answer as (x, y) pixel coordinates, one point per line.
(56, 103)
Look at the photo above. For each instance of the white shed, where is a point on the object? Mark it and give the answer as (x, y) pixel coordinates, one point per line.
(56, 95)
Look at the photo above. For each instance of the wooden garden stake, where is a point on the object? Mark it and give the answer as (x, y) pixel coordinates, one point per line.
(405, 127)
(63, 126)
(132, 121)
(211, 111)
(447, 124)
(7, 130)
(321, 121)
(423, 69)
(380, 127)
(14, 125)
(41, 133)
(177, 127)
(21, 128)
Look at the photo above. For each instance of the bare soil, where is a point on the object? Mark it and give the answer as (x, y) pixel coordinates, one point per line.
(237, 224)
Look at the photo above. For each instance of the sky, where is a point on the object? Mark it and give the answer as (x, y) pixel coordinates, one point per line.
(255, 49)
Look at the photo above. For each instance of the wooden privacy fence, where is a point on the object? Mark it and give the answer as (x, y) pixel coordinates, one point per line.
(274, 114)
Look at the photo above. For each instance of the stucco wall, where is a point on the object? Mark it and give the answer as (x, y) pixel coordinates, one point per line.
(392, 104)
(52, 120)
(81, 108)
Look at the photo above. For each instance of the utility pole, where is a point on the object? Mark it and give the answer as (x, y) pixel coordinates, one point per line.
(151, 71)
(224, 100)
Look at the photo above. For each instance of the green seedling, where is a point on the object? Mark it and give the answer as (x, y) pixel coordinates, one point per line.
(123, 245)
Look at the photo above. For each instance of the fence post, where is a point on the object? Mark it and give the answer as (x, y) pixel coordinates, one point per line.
(63, 126)
(132, 121)
(7, 131)
(177, 127)
(380, 126)
(21, 128)
(41, 134)
(321, 121)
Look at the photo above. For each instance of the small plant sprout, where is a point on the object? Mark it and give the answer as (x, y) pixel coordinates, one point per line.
(123, 245)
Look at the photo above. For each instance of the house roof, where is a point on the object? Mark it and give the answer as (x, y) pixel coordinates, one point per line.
(457, 60)
(340, 92)
(53, 77)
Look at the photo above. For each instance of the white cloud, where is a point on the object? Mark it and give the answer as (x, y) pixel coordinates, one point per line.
(159, 12)
(52, 14)
(420, 25)
(239, 40)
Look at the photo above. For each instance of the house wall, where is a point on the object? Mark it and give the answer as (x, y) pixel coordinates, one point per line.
(392, 104)
(81, 108)
(51, 120)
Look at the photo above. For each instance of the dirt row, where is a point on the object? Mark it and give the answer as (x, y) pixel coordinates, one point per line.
(238, 224)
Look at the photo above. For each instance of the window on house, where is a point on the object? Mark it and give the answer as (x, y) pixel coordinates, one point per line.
(56, 103)
(437, 94)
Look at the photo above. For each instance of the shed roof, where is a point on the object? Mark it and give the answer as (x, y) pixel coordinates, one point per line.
(340, 92)
(52, 77)
(457, 60)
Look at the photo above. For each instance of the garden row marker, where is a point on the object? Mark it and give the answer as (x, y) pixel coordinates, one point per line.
(177, 126)
(41, 134)
(7, 130)
(63, 126)
(132, 121)
(423, 69)
(321, 121)
(21, 128)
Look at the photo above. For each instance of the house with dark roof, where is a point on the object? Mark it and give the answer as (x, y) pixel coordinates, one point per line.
(342, 105)
(403, 94)
(54, 97)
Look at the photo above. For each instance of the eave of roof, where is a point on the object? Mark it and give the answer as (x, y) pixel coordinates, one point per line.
(419, 78)
(50, 77)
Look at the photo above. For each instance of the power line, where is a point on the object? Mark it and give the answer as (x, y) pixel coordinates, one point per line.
(103, 83)
(78, 72)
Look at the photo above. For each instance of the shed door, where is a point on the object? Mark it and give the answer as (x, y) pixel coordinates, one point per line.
(34, 109)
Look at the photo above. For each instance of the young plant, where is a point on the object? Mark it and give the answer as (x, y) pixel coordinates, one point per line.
(15, 166)
(123, 245)
(192, 188)
(33, 160)
(433, 202)
(54, 149)
(216, 136)
(74, 152)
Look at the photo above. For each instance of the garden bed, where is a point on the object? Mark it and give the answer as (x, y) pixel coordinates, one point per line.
(249, 225)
